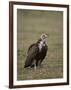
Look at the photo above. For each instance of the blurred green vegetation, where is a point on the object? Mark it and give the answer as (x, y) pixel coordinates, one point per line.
(30, 25)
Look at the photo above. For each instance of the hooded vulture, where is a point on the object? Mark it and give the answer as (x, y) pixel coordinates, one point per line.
(36, 52)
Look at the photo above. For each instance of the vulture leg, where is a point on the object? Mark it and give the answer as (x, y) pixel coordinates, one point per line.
(38, 63)
(34, 65)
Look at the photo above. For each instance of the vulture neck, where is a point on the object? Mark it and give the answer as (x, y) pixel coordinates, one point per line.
(41, 43)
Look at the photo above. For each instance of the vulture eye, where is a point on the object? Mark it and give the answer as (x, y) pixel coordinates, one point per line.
(43, 42)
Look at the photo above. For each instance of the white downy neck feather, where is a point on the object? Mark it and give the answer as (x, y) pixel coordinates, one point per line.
(41, 44)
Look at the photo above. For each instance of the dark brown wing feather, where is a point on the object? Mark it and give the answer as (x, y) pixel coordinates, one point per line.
(31, 54)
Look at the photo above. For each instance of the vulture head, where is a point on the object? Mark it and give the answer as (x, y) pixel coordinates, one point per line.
(43, 37)
(42, 41)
